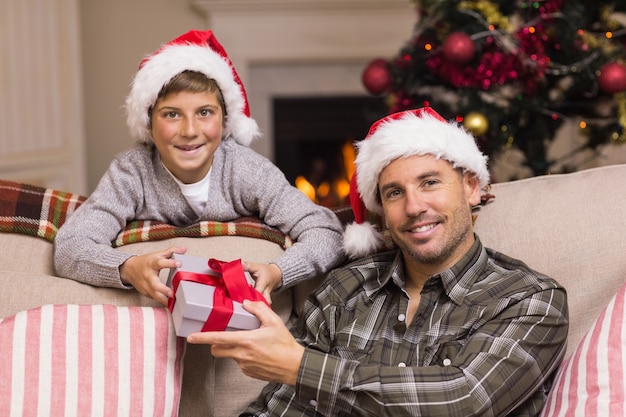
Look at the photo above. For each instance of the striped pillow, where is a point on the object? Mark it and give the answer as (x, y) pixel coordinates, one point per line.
(591, 381)
(90, 360)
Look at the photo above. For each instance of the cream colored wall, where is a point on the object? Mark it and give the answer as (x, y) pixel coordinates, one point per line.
(41, 109)
(116, 34)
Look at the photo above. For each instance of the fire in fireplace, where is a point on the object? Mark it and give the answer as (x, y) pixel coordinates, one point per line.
(314, 141)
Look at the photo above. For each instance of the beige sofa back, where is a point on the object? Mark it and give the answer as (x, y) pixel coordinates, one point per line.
(569, 226)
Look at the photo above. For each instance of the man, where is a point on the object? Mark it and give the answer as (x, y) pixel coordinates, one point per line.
(440, 326)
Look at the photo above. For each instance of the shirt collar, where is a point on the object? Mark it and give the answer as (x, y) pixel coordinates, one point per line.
(460, 278)
(456, 280)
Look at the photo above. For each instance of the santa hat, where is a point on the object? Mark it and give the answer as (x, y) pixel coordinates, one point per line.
(197, 51)
(398, 135)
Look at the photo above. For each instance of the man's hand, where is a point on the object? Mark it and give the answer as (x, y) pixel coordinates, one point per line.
(269, 353)
(267, 277)
(142, 272)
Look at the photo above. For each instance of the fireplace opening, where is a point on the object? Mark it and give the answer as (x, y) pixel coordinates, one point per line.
(314, 141)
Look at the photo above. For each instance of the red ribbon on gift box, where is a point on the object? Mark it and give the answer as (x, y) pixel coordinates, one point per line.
(231, 285)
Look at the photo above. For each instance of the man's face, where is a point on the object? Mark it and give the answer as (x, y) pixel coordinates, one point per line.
(427, 206)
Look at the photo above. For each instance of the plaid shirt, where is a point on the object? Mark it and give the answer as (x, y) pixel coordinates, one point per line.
(485, 340)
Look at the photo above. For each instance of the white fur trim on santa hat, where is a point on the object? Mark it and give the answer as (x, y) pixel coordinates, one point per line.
(414, 135)
(161, 67)
(361, 239)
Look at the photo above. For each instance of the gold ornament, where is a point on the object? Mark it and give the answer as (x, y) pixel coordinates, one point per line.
(476, 123)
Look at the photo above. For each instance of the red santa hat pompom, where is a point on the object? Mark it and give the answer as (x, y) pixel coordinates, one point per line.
(398, 135)
(197, 51)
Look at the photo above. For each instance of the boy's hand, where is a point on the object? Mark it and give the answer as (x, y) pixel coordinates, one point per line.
(142, 272)
(267, 277)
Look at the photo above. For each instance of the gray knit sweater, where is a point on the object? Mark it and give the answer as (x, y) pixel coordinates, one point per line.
(243, 183)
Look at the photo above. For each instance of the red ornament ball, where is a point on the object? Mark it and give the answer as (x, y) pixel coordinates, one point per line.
(459, 48)
(612, 78)
(376, 76)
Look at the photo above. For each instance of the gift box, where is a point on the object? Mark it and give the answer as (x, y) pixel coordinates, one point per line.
(208, 295)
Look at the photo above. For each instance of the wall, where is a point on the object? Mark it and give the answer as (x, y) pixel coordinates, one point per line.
(41, 109)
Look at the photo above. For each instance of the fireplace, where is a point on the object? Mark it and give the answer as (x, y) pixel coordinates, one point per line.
(314, 141)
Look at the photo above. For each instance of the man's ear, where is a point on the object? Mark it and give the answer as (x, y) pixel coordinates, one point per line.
(472, 188)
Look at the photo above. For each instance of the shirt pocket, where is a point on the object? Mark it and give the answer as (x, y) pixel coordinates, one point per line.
(351, 354)
(441, 354)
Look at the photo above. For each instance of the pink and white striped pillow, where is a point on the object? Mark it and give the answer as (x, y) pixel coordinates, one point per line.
(591, 381)
(90, 360)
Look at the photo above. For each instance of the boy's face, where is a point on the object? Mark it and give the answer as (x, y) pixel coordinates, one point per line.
(187, 128)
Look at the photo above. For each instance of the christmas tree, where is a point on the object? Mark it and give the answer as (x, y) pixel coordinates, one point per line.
(512, 72)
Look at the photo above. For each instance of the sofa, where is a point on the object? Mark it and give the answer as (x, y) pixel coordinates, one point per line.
(570, 226)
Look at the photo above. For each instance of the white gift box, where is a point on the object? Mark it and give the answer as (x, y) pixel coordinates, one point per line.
(194, 300)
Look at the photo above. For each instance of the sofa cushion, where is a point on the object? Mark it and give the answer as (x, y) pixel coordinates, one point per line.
(592, 381)
(69, 360)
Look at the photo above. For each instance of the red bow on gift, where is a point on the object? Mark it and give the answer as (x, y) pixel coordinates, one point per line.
(230, 285)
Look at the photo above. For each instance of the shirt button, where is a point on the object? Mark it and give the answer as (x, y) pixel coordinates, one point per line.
(447, 362)
(313, 403)
(401, 317)
(401, 365)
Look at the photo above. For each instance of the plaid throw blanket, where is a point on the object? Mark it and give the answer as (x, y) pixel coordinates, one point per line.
(39, 212)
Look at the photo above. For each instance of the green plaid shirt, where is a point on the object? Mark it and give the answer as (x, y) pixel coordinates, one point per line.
(486, 338)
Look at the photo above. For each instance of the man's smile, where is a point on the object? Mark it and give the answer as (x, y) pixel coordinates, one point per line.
(423, 228)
